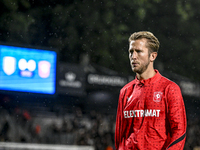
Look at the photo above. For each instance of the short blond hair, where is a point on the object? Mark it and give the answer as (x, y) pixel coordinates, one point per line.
(152, 42)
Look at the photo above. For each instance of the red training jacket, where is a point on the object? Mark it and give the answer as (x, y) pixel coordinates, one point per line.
(151, 115)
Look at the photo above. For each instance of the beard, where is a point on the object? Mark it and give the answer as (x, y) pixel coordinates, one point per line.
(141, 68)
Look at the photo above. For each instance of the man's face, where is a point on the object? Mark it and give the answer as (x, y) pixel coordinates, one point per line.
(139, 55)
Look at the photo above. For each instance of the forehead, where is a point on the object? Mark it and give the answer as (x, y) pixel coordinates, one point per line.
(139, 43)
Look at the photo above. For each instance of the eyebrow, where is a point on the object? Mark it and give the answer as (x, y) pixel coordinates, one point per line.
(135, 49)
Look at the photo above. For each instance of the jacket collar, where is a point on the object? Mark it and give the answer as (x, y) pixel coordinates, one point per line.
(150, 80)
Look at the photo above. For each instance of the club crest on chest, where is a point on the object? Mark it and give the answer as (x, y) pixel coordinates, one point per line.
(157, 96)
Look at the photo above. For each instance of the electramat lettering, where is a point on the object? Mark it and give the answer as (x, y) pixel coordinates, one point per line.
(142, 113)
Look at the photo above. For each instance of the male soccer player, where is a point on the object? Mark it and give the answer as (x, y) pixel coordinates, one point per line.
(151, 112)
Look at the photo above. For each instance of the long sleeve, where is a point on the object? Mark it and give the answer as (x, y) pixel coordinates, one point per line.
(118, 124)
(177, 118)
(119, 128)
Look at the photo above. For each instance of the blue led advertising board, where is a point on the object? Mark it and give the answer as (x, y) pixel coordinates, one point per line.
(27, 70)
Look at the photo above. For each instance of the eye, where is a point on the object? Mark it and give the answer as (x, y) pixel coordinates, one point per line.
(138, 51)
(130, 52)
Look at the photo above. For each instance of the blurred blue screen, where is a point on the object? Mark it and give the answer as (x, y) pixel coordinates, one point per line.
(27, 70)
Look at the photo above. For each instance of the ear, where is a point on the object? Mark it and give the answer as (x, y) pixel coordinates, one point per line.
(153, 56)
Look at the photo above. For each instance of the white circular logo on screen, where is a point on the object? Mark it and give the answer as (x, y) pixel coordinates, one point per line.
(30, 65)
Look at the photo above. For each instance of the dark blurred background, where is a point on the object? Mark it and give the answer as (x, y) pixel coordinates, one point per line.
(91, 38)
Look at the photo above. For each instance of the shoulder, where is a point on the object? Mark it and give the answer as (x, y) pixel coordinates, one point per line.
(127, 86)
(168, 82)
(170, 86)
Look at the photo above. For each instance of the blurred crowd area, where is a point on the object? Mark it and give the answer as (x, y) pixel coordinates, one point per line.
(39, 124)
(74, 127)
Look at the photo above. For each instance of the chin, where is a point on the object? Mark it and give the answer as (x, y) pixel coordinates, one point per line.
(134, 70)
(139, 71)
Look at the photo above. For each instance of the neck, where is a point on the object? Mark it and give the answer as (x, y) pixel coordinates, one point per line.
(149, 73)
